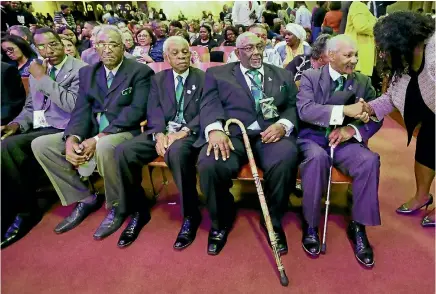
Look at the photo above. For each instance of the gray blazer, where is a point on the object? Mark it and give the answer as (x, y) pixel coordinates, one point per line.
(62, 95)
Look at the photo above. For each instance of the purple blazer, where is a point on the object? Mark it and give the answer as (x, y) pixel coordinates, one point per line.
(315, 103)
(162, 104)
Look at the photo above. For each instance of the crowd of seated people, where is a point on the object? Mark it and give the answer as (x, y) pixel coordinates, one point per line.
(86, 112)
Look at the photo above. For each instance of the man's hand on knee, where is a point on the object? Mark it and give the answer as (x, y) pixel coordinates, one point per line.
(73, 152)
(88, 146)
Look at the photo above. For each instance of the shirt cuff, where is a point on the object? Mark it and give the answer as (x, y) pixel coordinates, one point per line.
(80, 139)
(216, 126)
(337, 116)
(357, 136)
(287, 124)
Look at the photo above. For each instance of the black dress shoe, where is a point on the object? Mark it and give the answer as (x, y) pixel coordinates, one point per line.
(111, 223)
(216, 240)
(282, 245)
(137, 222)
(187, 233)
(362, 249)
(79, 213)
(310, 240)
(19, 228)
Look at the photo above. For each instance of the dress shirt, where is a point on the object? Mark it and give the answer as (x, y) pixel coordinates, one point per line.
(337, 116)
(241, 12)
(57, 67)
(303, 17)
(218, 126)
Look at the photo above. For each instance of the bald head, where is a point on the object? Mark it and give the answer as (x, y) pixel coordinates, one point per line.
(176, 52)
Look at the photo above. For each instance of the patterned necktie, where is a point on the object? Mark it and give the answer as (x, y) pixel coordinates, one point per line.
(179, 96)
(340, 84)
(256, 90)
(52, 73)
(103, 119)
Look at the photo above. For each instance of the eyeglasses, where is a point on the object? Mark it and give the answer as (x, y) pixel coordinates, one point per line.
(250, 49)
(52, 45)
(10, 50)
(111, 46)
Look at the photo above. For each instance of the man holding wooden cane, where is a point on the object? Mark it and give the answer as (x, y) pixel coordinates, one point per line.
(263, 98)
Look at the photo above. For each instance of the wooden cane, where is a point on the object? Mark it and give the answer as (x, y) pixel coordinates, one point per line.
(283, 278)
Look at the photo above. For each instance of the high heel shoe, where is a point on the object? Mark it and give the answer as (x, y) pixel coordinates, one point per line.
(403, 209)
(427, 221)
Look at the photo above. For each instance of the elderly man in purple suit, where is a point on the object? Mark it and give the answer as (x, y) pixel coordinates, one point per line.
(330, 117)
(173, 125)
(263, 98)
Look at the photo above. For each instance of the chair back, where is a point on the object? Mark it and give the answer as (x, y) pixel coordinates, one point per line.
(25, 84)
(205, 65)
(224, 49)
(159, 66)
(203, 52)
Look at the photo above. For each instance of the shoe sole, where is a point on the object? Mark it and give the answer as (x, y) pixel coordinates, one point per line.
(371, 265)
(310, 253)
(183, 247)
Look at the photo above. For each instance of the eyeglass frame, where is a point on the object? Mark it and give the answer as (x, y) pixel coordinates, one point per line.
(52, 45)
(250, 49)
(110, 46)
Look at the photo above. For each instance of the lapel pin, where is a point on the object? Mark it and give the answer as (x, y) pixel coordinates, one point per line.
(189, 91)
(350, 88)
(193, 88)
(269, 79)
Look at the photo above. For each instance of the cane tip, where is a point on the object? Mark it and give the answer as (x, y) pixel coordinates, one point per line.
(284, 281)
(323, 248)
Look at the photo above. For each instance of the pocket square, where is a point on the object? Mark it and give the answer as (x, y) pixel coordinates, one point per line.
(126, 91)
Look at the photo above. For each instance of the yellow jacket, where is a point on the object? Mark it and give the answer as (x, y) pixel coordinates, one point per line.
(360, 25)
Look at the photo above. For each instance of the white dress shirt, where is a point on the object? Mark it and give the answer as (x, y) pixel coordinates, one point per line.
(337, 116)
(218, 126)
(241, 13)
(303, 17)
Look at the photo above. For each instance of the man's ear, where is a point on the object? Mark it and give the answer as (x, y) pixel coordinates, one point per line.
(237, 52)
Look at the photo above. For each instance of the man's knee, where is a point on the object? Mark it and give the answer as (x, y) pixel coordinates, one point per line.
(38, 145)
(105, 147)
(316, 155)
(369, 161)
(178, 152)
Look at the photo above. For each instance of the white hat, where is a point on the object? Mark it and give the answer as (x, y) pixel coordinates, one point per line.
(297, 30)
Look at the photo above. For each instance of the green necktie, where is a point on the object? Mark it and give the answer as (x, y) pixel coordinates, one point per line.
(339, 87)
(103, 120)
(256, 90)
(179, 96)
(52, 73)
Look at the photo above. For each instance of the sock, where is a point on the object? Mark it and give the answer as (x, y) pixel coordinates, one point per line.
(89, 199)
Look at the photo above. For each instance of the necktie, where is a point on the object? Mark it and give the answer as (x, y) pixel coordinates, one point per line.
(103, 119)
(340, 84)
(180, 100)
(256, 90)
(52, 73)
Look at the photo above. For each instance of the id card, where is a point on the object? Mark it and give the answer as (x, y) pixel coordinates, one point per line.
(39, 120)
(173, 127)
(269, 110)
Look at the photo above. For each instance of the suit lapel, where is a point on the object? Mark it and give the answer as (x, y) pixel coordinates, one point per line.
(268, 80)
(349, 83)
(324, 83)
(65, 71)
(101, 79)
(190, 88)
(241, 81)
(170, 86)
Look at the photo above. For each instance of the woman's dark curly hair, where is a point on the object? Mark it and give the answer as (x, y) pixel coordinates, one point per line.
(397, 35)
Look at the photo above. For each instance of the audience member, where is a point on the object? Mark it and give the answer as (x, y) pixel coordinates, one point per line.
(19, 52)
(230, 35)
(86, 36)
(64, 17)
(245, 13)
(17, 15)
(156, 51)
(205, 39)
(145, 40)
(295, 37)
(26, 34)
(333, 17)
(13, 93)
(318, 19)
(303, 16)
(69, 47)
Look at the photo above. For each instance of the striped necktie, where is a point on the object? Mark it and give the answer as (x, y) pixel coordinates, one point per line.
(180, 100)
(339, 84)
(103, 119)
(256, 90)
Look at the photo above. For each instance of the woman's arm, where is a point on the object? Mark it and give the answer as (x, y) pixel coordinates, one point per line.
(382, 106)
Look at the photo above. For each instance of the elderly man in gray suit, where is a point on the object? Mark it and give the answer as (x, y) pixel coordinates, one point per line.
(330, 116)
(54, 86)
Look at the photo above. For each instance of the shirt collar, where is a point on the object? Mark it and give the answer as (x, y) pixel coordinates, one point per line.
(245, 70)
(58, 66)
(184, 75)
(334, 74)
(114, 71)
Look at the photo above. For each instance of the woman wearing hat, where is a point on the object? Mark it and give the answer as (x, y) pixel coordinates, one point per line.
(295, 45)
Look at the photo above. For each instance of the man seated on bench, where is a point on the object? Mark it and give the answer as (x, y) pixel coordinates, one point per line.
(172, 128)
(263, 98)
(54, 85)
(326, 97)
(112, 102)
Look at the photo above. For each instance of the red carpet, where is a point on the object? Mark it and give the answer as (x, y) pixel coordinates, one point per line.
(44, 262)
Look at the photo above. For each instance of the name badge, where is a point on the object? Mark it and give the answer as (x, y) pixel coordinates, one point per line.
(269, 110)
(39, 120)
(173, 127)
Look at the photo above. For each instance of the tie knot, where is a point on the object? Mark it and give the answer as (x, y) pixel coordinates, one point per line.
(180, 79)
(253, 72)
(110, 75)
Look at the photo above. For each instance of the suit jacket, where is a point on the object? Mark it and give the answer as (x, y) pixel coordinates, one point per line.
(162, 104)
(226, 95)
(13, 93)
(62, 95)
(315, 104)
(124, 103)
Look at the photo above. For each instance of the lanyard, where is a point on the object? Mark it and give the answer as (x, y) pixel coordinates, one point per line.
(257, 86)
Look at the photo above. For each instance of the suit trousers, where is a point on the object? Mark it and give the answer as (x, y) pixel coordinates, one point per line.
(50, 153)
(277, 160)
(180, 157)
(21, 174)
(351, 158)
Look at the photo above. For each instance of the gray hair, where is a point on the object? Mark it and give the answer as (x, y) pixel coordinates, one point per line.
(334, 43)
(242, 36)
(110, 28)
(22, 32)
(320, 45)
(174, 39)
(96, 30)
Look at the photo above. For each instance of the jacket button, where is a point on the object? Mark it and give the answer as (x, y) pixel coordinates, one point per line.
(105, 109)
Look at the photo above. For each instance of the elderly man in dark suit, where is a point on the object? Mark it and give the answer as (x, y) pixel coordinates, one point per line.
(54, 86)
(112, 102)
(263, 98)
(326, 100)
(173, 125)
